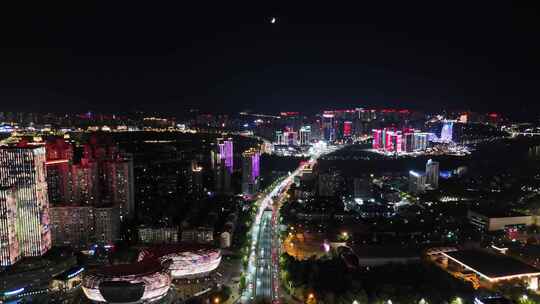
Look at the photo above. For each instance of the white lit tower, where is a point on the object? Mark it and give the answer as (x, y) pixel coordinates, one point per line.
(305, 135)
(432, 174)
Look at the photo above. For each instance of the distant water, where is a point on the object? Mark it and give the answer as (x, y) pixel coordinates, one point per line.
(508, 155)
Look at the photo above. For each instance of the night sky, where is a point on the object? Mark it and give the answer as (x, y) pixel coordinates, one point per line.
(150, 56)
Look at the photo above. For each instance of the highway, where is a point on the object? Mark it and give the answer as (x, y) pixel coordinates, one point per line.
(263, 262)
(263, 287)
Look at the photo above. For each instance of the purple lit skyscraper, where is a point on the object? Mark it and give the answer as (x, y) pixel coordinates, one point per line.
(250, 172)
(255, 169)
(222, 164)
(228, 154)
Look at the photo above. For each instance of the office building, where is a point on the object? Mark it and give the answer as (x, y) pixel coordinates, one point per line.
(162, 235)
(119, 175)
(377, 139)
(420, 141)
(417, 182)
(201, 235)
(59, 180)
(85, 183)
(9, 243)
(250, 172)
(347, 129)
(280, 139)
(408, 142)
(290, 137)
(23, 168)
(489, 220)
(432, 174)
(222, 164)
(305, 135)
(107, 225)
(72, 226)
(328, 130)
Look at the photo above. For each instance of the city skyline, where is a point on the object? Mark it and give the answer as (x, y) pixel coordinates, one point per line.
(295, 153)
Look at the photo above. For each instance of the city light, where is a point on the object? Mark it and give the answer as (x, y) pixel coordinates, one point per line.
(13, 292)
(71, 275)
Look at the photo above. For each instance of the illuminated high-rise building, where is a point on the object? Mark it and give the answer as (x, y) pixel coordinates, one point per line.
(72, 225)
(377, 139)
(120, 185)
(107, 225)
(417, 182)
(447, 131)
(280, 139)
(328, 130)
(59, 180)
(23, 167)
(305, 135)
(222, 164)
(9, 243)
(250, 172)
(85, 182)
(291, 137)
(226, 153)
(432, 174)
(420, 141)
(408, 142)
(196, 178)
(347, 129)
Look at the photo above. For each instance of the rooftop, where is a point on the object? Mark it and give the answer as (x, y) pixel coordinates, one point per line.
(491, 266)
(496, 212)
(122, 270)
(163, 250)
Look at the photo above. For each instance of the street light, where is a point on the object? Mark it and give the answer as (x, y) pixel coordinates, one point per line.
(216, 300)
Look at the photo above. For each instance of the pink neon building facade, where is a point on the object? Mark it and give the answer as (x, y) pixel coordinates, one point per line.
(393, 141)
(9, 251)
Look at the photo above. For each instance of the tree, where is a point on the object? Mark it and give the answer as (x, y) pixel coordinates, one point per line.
(242, 283)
